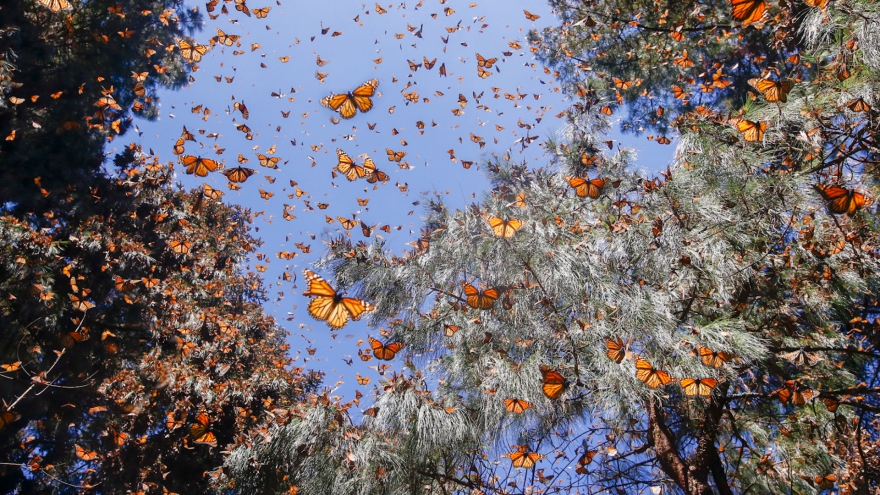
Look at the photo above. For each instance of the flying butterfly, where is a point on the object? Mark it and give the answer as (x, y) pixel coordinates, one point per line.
(225, 39)
(698, 386)
(262, 13)
(530, 16)
(330, 306)
(449, 330)
(85, 454)
(198, 165)
(238, 174)
(241, 6)
(504, 228)
(516, 406)
(552, 383)
(345, 165)
(191, 52)
(650, 375)
(268, 161)
(200, 432)
(395, 156)
(480, 299)
(522, 457)
(841, 200)
(751, 131)
(385, 352)
(772, 90)
(349, 103)
(373, 174)
(748, 11)
(585, 187)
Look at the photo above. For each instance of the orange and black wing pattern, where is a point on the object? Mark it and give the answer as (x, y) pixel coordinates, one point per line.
(385, 352)
(480, 299)
(348, 104)
(841, 200)
(329, 306)
(552, 383)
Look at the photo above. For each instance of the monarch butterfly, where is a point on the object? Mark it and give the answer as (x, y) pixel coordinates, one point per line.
(584, 187)
(429, 65)
(178, 147)
(831, 403)
(484, 62)
(385, 352)
(480, 299)
(841, 200)
(752, 131)
(225, 39)
(238, 174)
(622, 84)
(713, 359)
(104, 101)
(698, 386)
(651, 376)
(504, 228)
(800, 357)
(262, 13)
(362, 380)
(346, 166)
(329, 306)
(85, 454)
(348, 104)
(7, 417)
(190, 52)
(347, 223)
(268, 162)
(616, 350)
(55, 5)
(816, 3)
(200, 433)
(523, 458)
(552, 383)
(773, 90)
(516, 406)
(748, 11)
(241, 107)
(180, 247)
(395, 156)
(530, 16)
(242, 7)
(794, 393)
(858, 105)
(198, 165)
(373, 174)
(449, 330)
(380, 10)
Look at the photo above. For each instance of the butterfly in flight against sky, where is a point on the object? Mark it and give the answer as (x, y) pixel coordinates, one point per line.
(329, 306)
(348, 104)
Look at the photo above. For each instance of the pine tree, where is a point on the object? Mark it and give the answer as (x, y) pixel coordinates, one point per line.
(588, 328)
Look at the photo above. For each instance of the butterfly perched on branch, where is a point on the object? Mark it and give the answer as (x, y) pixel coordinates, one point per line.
(552, 383)
(330, 306)
(651, 376)
(480, 299)
(349, 103)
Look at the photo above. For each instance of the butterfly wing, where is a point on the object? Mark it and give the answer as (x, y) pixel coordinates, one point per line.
(579, 184)
(362, 94)
(516, 406)
(553, 384)
(347, 167)
(594, 187)
(748, 11)
(616, 350)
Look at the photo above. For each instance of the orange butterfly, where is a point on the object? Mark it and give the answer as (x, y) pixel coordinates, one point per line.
(349, 103)
(225, 39)
(190, 52)
(530, 16)
(584, 187)
(198, 165)
(346, 166)
(773, 90)
(648, 374)
(516, 406)
(238, 174)
(748, 11)
(553, 384)
(7, 417)
(523, 458)
(752, 131)
(200, 433)
(713, 359)
(449, 330)
(180, 247)
(858, 105)
(698, 386)
(480, 299)
(504, 228)
(374, 174)
(332, 307)
(262, 13)
(55, 5)
(268, 162)
(395, 156)
(85, 454)
(385, 352)
(616, 350)
(841, 200)
(485, 62)
(795, 393)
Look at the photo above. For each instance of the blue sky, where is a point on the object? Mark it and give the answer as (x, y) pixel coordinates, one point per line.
(294, 30)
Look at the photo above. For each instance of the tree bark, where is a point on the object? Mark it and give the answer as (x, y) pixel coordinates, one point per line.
(691, 479)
